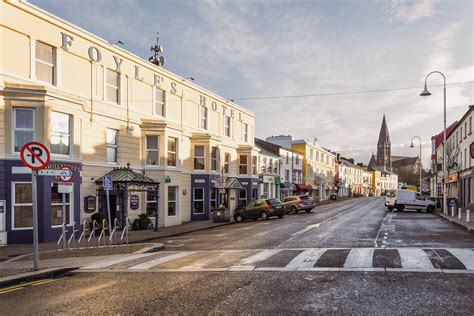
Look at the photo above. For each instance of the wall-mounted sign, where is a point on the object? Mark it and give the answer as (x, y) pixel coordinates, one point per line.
(277, 180)
(65, 187)
(199, 181)
(89, 204)
(134, 202)
(167, 179)
(267, 179)
(185, 192)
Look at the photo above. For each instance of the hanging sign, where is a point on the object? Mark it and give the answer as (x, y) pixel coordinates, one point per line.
(65, 187)
(134, 202)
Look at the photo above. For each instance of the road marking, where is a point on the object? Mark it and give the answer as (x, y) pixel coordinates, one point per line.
(306, 259)
(414, 258)
(108, 262)
(8, 291)
(359, 258)
(466, 256)
(148, 264)
(260, 256)
(44, 282)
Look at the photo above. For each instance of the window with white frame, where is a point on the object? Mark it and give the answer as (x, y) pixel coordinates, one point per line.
(198, 200)
(203, 123)
(172, 201)
(214, 158)
(214, 193)
(23, 126)
(45, 63)
(22, 204)
(159, 102)
(112, 85)
(151, 202)
(245, 132)
(227, 125)
(112, 145)
(226, 163)
(152, 150)
(243, 164)
(199, 158)
(57, 216)
(60, 133)
(172, 151)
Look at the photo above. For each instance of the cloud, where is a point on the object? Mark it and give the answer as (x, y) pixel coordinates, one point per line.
(410, 11)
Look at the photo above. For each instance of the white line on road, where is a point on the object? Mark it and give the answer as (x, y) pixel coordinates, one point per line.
(152, 263)
(414, 258)
(260, 256)
(359, 258)
(306, 259)
(466, 256)
(110, 262)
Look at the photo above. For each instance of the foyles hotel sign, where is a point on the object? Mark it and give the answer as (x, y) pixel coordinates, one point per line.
(95, 55)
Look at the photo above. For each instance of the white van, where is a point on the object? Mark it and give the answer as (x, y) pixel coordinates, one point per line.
(407, 199)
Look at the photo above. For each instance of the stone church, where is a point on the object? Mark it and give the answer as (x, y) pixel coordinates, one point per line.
(407, 168)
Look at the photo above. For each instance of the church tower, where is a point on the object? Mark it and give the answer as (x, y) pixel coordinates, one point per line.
(384, 151)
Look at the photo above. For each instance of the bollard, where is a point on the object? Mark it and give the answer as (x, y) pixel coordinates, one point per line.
(460, 214)
(452, 211)
(468, 217)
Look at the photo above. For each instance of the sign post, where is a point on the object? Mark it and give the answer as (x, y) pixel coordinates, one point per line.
(63, 190)
(35, 156)
(108, 185)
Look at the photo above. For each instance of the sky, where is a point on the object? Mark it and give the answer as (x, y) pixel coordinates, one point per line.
(270, 55)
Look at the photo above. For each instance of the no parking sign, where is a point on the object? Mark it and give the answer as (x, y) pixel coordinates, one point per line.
(35, 155)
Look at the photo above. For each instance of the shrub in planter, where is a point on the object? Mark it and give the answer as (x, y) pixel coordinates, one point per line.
(98, 217)
(142, 222)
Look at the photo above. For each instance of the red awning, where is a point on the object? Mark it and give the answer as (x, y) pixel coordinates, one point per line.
(303, 187)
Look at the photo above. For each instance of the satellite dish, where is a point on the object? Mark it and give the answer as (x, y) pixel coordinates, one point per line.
(160, 49)
(162, 60)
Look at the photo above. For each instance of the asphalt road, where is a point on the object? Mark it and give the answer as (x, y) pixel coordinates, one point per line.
(301, 264)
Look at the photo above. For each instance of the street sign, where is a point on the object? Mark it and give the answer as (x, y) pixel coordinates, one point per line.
(35, 155)
(66, 178)
(55, 173)
(134, 202)
(65, 187)
(108, 184)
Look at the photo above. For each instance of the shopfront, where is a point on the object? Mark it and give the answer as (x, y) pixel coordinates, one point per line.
(466, 185)
(16, 196)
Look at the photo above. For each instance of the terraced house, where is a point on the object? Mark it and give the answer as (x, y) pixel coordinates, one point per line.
(103, 110)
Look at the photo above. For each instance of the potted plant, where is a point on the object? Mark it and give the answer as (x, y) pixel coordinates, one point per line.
(142, 222)
(222, 213)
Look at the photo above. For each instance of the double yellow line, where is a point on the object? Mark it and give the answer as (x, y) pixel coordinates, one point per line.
(22, 286)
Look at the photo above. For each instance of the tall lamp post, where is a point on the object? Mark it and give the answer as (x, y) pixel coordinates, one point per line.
(413, 146)
(426, 93)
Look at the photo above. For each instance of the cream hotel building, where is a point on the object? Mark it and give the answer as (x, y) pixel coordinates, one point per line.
(103, 110)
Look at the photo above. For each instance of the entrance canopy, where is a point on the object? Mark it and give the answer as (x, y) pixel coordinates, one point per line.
(126, 177)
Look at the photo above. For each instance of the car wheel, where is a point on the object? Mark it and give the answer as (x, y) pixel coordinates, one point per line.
(390, 208)
(309, 211)
(264, 216)
(430, 209)
(239, 219)
(400, 208)
(294, 210)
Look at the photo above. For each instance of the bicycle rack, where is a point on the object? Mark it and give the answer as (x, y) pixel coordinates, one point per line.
(102, 232)
(82, 237)
(73, 235)
(64, 225)
(95, 226)
(114, 231)
(125, 231)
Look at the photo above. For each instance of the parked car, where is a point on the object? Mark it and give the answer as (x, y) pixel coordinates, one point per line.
(260, 209)
(402, 199)
(294, 204)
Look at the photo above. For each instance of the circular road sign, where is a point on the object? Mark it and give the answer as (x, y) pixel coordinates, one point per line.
(35, 155)
(65, 178)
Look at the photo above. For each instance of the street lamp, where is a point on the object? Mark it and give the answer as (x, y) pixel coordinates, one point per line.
(413, 146)
(426, 93)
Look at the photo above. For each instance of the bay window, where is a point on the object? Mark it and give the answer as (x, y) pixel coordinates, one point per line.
(152, 150)
(60, 133)
(23, 127)
(226, 163)
(243, 164)
(214, 158)
(172, 150)
(199, 158)
(112, 145)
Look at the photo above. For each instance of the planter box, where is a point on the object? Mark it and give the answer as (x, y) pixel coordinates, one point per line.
(221, 215)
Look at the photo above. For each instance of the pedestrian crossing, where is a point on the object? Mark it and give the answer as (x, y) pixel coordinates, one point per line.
(448, 260)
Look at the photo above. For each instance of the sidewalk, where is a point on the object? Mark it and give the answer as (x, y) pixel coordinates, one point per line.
(461, 222)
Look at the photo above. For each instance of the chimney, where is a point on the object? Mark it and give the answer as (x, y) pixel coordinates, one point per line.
(350, 160)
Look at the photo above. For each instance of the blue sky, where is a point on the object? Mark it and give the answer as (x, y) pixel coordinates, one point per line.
(243, 48)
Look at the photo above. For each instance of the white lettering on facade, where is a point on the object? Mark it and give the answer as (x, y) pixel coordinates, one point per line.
(97, 57)
(66, 40)
(214, 105)
(202, 100)
(173, 88)
(118, 63)
(157, 80)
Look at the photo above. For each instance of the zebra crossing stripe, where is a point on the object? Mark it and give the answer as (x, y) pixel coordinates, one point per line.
(306, 259)
(466, 256)
(414, 258)
(110, 262)
(260, 256)
(149, 264)
(359, 258)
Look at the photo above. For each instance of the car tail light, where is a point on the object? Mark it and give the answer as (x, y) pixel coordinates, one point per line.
(300, 202)
(270, 205)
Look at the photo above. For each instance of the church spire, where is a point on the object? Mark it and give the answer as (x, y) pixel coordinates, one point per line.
(384, 148)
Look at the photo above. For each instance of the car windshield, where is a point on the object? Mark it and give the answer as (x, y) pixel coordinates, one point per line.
(273, 201)
(391, 194)
(305, 197)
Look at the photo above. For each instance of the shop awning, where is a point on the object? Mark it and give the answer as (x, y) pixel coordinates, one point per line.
(287, 186)
(303, 187)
